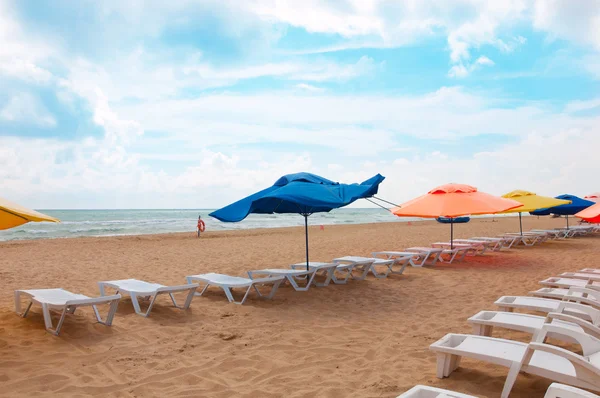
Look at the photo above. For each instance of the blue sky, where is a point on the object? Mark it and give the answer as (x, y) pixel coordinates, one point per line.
(194, 103)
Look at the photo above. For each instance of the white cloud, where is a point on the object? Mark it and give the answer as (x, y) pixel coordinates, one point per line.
(461, 70)
(26, 109)
(310, 88)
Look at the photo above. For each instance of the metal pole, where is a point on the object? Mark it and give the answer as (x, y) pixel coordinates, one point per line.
(451, 233)
(306, 234)
(567, 222)
(520, 224)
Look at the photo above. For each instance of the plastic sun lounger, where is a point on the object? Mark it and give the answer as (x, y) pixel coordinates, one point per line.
(479, 247)
(480, 244)
(499, 243)
(589, 295)
(291, 275)
(556, 390)
(547, 305)
(536, 358)
(401, 259)
(568, 282)
(364, 265)
(137, 289)
(427, 255)
(530, 238)
(60, 299)
(326, 270)
(594, 271)
(484, 322)
(458, 253)
(228, 283)
(553, 233)
(420, 391)
(590, 276)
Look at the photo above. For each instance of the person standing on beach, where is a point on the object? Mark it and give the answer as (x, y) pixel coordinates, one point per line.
(201, 226)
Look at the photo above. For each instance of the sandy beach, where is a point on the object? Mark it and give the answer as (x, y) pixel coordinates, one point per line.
(365, 339)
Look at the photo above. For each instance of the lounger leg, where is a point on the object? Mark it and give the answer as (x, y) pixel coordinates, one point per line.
(136, 304)
(228, 294)
(380, 275)
(274, 288)
(47, 317)
(112, 310)
(446, 364)
(515, 368)
(435, 258)
(152, 300)
(404, 264)
(27, 309)
(60, 322)
(188, 299)
(483, 330)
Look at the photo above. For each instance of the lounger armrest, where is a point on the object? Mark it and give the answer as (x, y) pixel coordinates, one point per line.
(179, 288)
(557, 390)
(93, 300)
(590, 311)
(588, 327)
(575, 359)
(589, 344)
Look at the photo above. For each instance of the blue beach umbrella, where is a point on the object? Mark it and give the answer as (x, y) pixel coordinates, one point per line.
(577, 204)
(300, 193)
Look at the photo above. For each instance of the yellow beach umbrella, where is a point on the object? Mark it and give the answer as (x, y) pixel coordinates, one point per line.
(12, 215)
(531, 202)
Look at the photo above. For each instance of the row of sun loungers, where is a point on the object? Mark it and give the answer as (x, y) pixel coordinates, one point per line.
(572, 316)
(339, 271)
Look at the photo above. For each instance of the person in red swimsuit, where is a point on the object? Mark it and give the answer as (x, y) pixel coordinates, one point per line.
(201, 226)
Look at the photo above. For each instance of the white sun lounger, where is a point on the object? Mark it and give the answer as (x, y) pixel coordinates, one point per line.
(364, 265)
(458, 253)
(568, 282)
(590, 276)
(420, 391)
(326, 270)
(478, 247)
(494, 244)
(536, 358)
(228, 283)
(401, 259)
(595, 271)
(293, 276)
(60, 299)
(546, 305)
(556, 390)
(137, 289)
(529, 238)
(553, 233)
(427, 255)
(589, 295)
(484, 322)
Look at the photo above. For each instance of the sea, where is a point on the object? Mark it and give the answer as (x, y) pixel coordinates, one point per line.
(78, 223)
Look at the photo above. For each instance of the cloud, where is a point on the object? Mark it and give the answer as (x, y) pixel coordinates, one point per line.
(310, 88)
(461, 70)
(26, 109)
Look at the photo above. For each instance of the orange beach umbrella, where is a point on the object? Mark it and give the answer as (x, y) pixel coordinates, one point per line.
(454, 200)
(591, 214)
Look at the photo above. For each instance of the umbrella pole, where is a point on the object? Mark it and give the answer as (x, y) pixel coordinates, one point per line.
(452, 234)
(520, 224)
(567, 222)
(306, 234)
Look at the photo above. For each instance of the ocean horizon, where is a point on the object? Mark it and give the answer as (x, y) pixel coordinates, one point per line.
(121, 222)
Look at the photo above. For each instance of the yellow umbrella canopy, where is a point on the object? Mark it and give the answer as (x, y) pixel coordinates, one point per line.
(12, 215)
(532, 202)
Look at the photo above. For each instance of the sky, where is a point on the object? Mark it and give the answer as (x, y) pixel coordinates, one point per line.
(194, 104)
